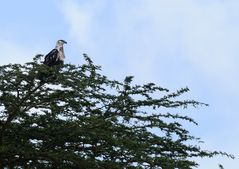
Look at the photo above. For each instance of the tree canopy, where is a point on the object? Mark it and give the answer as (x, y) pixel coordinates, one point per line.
(74, 117)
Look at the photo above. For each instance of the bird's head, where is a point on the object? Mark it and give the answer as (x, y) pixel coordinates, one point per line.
(61, 42)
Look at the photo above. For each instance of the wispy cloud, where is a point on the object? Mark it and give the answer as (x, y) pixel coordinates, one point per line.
(154, 32)
(81, 20)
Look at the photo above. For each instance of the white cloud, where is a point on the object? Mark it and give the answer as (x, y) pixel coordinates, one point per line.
(78, 20)
(81, 20)
(145, 33)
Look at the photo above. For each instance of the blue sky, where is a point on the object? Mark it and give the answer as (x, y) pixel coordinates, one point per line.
(172, 43)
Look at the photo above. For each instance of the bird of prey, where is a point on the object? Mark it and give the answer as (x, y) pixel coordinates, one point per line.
(56, 56)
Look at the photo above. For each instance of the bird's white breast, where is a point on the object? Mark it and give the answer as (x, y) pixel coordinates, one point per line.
(61, 55)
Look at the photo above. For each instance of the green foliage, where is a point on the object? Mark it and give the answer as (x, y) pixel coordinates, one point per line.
(74, 117)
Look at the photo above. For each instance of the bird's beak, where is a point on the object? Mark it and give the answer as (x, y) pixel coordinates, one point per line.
(64, 42)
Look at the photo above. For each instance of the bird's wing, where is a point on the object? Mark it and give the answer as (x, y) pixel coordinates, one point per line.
(51, 57)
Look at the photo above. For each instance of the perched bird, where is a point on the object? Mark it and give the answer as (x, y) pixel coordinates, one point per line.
(56, 56)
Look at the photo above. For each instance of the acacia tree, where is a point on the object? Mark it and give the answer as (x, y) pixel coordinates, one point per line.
(74, 117)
